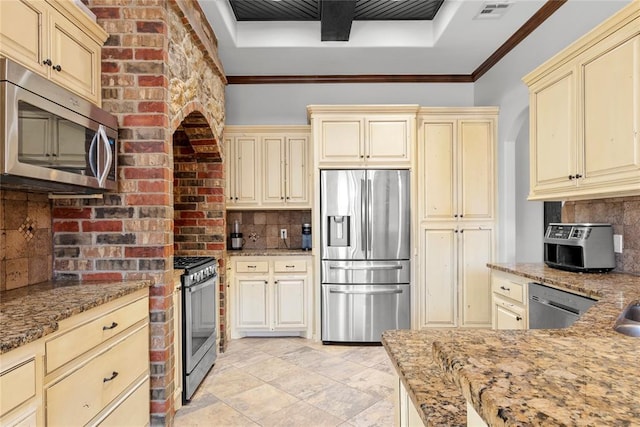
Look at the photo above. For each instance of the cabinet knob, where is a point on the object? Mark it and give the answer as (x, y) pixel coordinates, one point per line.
(578, 176)
(266, 283)
(505, 289)
(275, 281)
(113, 375)
(461, 231)
(368, 156)
(361, 156)
(236, 198)
(288, 197)
(572, 177)
(47, 62)
(518, 318)
(281, 197)
(455, 215)
(461, 216)
(57, 67)
(455, 231)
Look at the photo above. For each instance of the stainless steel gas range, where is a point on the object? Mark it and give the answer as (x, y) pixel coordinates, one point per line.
(199, 314)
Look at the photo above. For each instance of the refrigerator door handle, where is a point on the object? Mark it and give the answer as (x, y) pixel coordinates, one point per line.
(357, 292)
(364, 222)
(366, 267)
(369, 219)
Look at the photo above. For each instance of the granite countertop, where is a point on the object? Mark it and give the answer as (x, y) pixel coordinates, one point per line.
(268, 252)
(583, 375)
(31, 312)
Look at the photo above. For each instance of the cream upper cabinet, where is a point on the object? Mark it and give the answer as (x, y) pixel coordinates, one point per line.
(267, 167)
(363, 135)
(243, 162)
(56, 39)
(285, 165)
(585, 115)
(457, 168)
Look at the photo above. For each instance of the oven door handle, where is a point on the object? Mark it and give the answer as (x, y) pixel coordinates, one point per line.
(192, 289)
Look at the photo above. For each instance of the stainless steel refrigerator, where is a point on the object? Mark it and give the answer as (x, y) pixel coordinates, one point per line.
(366, 268)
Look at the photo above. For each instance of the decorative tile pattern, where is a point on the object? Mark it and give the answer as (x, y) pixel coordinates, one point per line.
(27, 228)
(293, 382)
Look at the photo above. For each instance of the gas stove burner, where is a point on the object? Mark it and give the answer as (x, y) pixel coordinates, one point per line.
(182, 262)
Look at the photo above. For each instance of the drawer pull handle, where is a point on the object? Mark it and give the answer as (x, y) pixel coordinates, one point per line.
(518, 318)
(113, 325)
(251, 266)
(47, 62)
(505, 289)
(289, 266)
(57, 68)
(113, 375)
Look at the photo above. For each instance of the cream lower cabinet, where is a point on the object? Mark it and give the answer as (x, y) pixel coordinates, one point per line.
(21, 386)
(454, 282)
(267, 167)
(97, 365)
(93, 371)
(56, 39)
(509, 301)
(271, 296)
(363, 135)
(585, 115)
(406, 414)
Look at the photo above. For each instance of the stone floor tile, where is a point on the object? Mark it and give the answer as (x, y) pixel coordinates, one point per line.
(372, 381)
(342, 401)
(379, 414)
(216, 414)
(230, 382)
(260, 402)
(303, 384)
(301, 414)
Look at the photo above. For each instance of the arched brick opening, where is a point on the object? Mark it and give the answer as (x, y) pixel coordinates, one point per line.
(198, 195)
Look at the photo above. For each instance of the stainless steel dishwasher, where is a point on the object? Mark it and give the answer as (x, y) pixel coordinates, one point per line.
(551, 308)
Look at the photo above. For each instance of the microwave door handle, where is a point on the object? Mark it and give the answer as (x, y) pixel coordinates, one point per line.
(106, 165)
(92, 154)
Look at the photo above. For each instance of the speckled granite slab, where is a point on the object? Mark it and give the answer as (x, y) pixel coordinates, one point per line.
(31, 312)
(583, 375)
(268, 252)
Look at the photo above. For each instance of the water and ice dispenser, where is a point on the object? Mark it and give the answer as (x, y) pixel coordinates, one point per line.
(339, 227)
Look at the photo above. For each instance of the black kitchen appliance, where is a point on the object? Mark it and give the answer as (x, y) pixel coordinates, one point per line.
(199, 314)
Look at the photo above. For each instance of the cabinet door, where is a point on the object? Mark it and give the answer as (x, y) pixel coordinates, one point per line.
(437, 265)
(23, 25)
(273, 178)
(230, 170)
(252, 303)
(289, 295)
(341, 140)
(476, 170)
(437, 184)
(297, 171)
(388, 140)
(612, 111)
(76, 58)
(475, 277)
(553, 132)
(507, 315)
(247, 172)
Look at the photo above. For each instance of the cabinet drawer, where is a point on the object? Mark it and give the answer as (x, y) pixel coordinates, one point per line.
(133, 411)
(508, 288)
(17, 385)
(80, 396)
(252, 266)
(290, 266)
(72, 344)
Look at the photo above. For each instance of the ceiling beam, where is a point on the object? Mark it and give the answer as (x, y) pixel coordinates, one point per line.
(336, 17)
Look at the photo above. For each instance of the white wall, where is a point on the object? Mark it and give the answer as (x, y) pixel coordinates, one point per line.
(286, 104)
(502, 86)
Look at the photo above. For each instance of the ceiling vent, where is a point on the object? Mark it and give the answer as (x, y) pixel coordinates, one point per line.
(493, 10)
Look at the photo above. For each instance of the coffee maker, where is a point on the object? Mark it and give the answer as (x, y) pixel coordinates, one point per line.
(236, 237)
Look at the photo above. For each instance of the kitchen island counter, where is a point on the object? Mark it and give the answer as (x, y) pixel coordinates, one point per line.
(583, 375)
(31, 312)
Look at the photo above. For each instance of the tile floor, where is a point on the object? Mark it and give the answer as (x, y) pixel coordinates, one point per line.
(294, 382)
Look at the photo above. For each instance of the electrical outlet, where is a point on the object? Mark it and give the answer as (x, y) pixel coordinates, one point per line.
(283, 233)
(617, 243)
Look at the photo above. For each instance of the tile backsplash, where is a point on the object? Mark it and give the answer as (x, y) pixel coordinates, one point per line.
(261, 229)
(624, 214)
(26, 250)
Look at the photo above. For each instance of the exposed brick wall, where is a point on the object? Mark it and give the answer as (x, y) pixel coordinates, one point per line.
(129, 233)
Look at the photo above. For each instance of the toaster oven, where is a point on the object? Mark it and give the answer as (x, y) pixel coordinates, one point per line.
(579, 247)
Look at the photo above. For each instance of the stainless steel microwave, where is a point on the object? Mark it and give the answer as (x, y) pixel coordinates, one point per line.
(53, 140)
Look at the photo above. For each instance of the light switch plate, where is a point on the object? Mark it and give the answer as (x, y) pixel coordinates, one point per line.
(617, 243)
